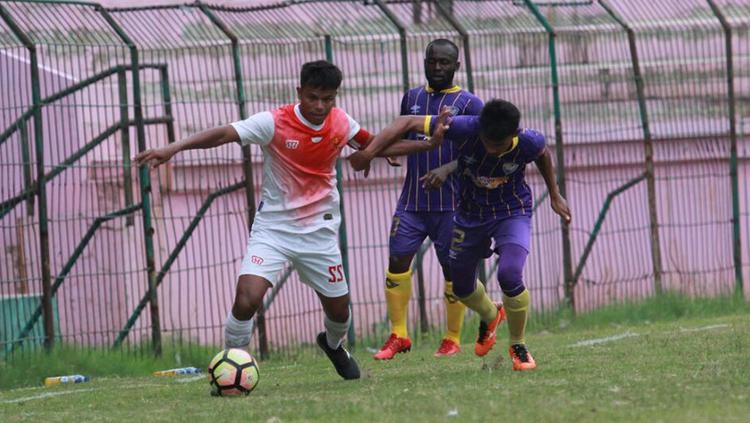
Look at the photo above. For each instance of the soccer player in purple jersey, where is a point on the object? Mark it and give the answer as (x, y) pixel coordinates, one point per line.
(424, 213)
(495, 204)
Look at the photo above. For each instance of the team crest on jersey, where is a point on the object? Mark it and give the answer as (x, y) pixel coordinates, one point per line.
(292, 144)
(415, 109)
(509, 167)
(316, 140)
(453, 110)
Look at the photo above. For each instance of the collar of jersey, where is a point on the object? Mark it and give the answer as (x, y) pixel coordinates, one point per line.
(512, 147)
(306, 122)
(451, 90)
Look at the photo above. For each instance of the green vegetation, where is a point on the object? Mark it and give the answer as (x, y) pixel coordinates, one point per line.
(668, 359)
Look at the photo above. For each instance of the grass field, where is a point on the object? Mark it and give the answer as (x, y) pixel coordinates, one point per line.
(692, 369)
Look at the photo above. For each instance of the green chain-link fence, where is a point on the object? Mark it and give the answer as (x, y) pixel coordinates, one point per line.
(644, 104)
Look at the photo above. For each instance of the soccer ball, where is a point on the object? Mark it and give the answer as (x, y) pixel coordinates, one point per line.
(232, 372)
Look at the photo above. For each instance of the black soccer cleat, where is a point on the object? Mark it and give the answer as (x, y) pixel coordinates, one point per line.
(344, 363)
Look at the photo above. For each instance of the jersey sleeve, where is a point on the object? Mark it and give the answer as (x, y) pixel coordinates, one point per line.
(404, 105)
(461, 127)
(473, 107)
(535, 143)
(360, 140)
(358, 137)
(257, 129)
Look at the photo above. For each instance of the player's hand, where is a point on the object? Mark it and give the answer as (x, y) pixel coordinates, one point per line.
(434, 179)
(360, 160)
(153, 157)
(560, 206)
(393, 162)
(442, 124)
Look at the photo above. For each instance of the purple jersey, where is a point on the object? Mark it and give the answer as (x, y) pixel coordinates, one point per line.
(492, 187)
(424, 101)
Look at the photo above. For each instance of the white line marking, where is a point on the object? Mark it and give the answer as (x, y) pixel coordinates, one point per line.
(191, 379)
(288, 366)
(47, 395)
(589, 342)
(711, 327)
(54, 394)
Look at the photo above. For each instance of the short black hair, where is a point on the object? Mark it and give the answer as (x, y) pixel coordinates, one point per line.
(499, 119)
(441, 42)
(320, 74)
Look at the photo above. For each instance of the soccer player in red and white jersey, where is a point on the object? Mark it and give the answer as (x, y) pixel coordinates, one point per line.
(298, 218)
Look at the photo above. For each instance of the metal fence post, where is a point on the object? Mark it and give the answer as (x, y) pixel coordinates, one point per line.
(465, 38)
(648, 148)
(145, 183)
(732, 100)
(559, 153)
(41, 185)
(402, 38)
(122, 89)
(418, 266)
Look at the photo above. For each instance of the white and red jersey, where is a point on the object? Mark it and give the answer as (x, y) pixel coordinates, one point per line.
(299, 165)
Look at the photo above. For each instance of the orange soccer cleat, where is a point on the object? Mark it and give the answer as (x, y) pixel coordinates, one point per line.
(447, 348)
(393, 346)
(522, 359)
(487, 336)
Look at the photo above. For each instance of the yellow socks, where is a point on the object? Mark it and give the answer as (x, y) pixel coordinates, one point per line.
(517, 311)
(397, 294)
(481, 303)
(455, 311)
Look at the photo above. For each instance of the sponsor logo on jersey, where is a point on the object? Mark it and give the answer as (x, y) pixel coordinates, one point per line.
(487, 182)
(256, 260)
(415, 109)
(292, 144)
(316, 140)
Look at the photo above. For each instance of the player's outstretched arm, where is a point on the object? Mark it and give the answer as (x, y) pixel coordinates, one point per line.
(406, 147)
(402, 125)
(435, 178)
(209, 138)
(559, 205)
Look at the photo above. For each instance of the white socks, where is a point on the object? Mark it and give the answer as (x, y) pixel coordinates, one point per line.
(237, 332)
(335, 331)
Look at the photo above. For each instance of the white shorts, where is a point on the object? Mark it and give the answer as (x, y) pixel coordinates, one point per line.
(315, 256)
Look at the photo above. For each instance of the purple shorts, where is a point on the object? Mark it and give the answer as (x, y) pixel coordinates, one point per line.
(472, 239)
(409, 230)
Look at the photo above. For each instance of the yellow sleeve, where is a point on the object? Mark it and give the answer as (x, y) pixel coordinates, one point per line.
(427, 122)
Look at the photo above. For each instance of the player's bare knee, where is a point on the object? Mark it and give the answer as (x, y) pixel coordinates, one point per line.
(399, 264)
(246, 305)
(338, 312)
